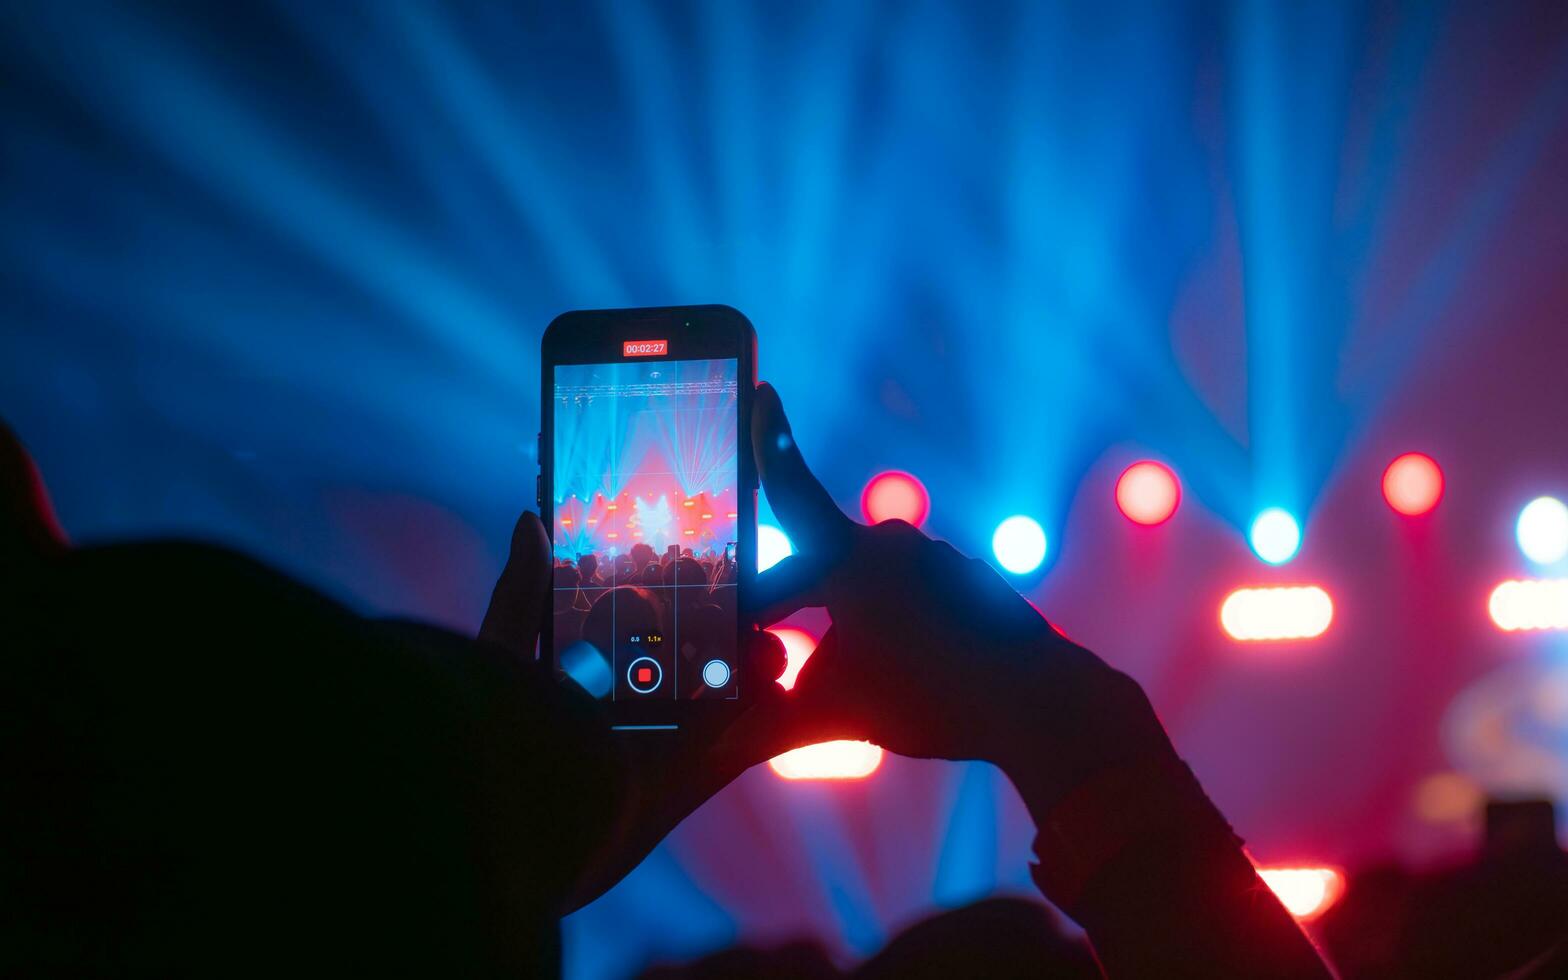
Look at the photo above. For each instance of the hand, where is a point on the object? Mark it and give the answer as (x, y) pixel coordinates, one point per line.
(933, 654)
(664, 777)
(28, 529)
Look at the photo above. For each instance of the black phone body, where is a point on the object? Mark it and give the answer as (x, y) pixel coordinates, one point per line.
(646, 471)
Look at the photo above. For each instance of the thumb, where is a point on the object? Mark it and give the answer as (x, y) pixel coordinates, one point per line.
(807, 511)
(818, 709)
(521, 596)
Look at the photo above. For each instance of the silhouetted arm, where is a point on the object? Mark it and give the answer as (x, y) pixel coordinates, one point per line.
(1138, 855)
(932, 654)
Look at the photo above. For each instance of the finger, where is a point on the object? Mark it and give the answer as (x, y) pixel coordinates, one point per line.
(27, 523)
(771, 728)
(808, 513)
(521, 596)
(794, 583)
(823, 681)
(763, 661)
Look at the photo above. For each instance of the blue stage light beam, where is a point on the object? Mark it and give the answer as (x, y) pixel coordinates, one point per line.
(966, 865)
(1287, 165)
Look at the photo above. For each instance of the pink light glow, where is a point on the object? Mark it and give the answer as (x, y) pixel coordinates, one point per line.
(1147, 493)
(1306, 891)
(1412, 484)
(895, 495)
(828, 760)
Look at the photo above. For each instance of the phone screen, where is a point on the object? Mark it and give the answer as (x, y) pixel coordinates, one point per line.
(646, 507)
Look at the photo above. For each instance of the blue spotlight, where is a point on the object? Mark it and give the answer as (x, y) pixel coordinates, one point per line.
(772, 546)
(1019, 544)
(1543, 530)
(1275, 536)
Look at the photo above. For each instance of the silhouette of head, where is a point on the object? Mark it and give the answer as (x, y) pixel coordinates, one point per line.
(565, 592)
(998, 937)
(643, 555)
(625, 610)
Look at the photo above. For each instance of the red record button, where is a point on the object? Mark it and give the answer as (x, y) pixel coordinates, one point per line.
(644, 675)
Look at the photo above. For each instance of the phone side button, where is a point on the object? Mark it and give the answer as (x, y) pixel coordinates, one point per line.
(539, 491)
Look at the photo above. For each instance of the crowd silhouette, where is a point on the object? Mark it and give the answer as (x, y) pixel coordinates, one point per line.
(213, 769)
(1502, 912)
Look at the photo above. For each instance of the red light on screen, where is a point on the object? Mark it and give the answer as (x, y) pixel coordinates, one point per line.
(1306, 892)
(895, 495)
(645, 348)
(1147, 493)
(1294, 612)
(1413, 484)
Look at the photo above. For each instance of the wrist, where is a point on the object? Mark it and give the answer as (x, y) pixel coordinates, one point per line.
(1097, 772)
(1064, 717)
(1125, 817)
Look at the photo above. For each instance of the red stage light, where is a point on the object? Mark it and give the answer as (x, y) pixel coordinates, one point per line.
(1412, 484)
(1147, 493)
(1530, 604)
(895, 495)
(1306, 892)
(824, 760)
(1296, 612)
(828, 760)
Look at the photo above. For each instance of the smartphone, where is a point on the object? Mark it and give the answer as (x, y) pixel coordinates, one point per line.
(646, 481)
